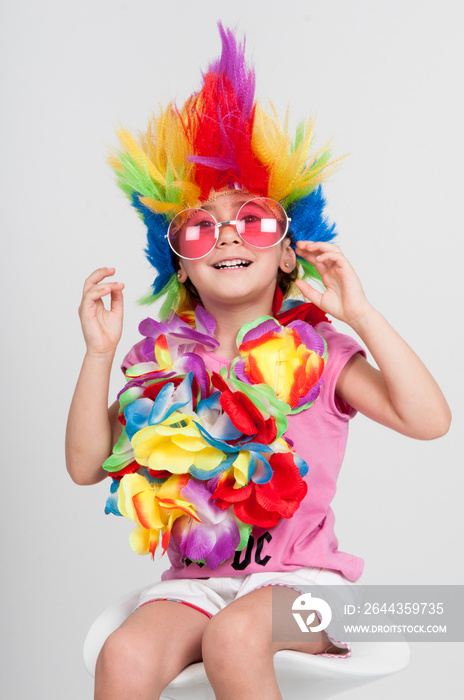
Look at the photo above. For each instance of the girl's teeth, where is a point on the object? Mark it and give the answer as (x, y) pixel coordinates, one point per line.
(232, 263)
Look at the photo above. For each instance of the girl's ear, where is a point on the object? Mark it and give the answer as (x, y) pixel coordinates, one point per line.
(181, 274)
(288, 257)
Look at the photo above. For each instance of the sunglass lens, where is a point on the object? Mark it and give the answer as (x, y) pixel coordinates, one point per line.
(192, 233)
(262, 222)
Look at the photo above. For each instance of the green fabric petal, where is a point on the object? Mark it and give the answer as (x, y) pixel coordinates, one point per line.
(245, 532)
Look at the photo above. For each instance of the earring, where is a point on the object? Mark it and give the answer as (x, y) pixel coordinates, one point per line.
(287, 264)
(178, 275)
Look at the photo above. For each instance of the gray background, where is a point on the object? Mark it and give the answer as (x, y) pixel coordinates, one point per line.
(385, 80)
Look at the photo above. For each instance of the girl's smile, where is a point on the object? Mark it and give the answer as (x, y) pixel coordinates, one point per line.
(232, 264)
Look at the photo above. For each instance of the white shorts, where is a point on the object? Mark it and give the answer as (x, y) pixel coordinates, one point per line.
(210, 595)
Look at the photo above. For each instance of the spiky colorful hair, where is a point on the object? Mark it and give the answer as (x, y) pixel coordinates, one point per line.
(220, 138)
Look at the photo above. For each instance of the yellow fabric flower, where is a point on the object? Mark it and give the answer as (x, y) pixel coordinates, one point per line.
(154, 507)
(176, 442)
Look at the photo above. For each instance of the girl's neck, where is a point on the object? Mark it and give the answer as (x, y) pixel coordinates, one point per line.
(229, 320)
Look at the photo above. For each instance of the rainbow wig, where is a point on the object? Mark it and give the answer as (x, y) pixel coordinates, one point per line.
(219, 139)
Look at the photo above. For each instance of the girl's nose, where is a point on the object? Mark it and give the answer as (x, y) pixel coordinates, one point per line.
(228, 234)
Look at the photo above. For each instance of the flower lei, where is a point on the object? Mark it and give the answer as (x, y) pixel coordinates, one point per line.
(201, 458)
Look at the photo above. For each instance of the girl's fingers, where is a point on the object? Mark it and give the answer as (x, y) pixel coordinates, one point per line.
(97, 291)
(97, 276)
(312, 250)
(325, 257)
(313, 245)
(331, 256)
(309, 292)
(117, 300)
(319, 249)
(94, 297)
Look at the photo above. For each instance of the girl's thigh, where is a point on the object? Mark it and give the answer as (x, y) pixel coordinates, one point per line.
(250, 620)
(152, 646)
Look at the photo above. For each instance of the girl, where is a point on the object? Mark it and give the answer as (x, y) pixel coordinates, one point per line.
(227, 440)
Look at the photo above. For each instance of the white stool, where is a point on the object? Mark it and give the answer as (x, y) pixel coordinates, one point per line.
(300, 676)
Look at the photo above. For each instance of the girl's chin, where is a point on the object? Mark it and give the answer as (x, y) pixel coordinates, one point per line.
(233, 290)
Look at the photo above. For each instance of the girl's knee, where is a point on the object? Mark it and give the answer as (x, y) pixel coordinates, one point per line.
(236, 639)
(231, 633)
(124, 665)
(116, 654)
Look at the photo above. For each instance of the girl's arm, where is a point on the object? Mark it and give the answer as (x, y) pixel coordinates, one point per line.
(402, 393)
(92, 428)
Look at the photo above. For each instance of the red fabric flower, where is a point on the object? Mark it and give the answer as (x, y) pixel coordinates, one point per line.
(244, 415)
(265, 504)
(152, 390)
(130, 469)
(308, 312)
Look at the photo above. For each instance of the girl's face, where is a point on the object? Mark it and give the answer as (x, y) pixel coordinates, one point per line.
(253, 278)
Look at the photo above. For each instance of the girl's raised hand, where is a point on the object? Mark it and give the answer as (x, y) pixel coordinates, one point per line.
(344, 296)
(102, 327)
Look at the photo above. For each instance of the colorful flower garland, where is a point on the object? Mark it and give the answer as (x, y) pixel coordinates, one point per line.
(201, 458)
